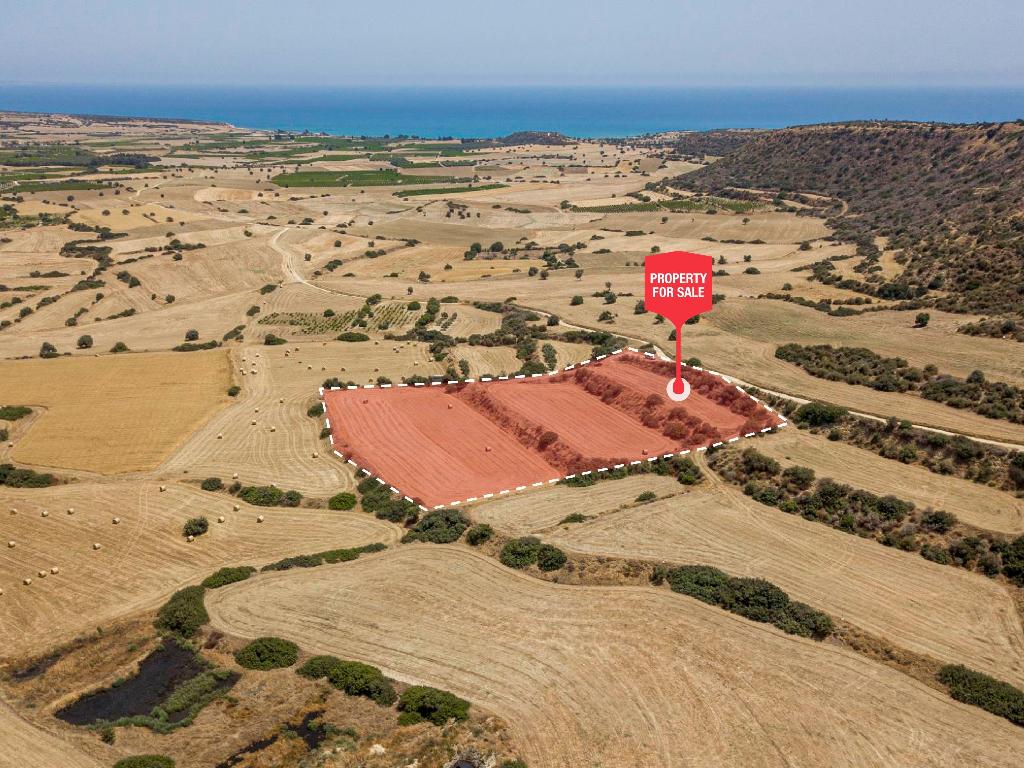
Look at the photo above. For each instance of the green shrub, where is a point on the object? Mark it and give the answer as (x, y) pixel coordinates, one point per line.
(520, 553)
(409, 718)
(343, 500)
(273, 341)
(261, 495)
(291, 499)
(268, 653)
(574, 517)
(755, 599)
(645, 497)
(229, 575)
(442, 526)
(317, 667)
(234, 390)
(979, 689)
(434, 705)
(145, 761)
(212, 484)
(818, 414)
(358, 679)
(513, 764)
(353, 336)
(316, 410)
(14, 412)
(17, 477)
(184, 613)
(478, 534)
(550, 558)
(195, 526)
(119, 347)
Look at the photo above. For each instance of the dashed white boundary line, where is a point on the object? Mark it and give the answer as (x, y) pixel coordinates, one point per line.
(327, 423)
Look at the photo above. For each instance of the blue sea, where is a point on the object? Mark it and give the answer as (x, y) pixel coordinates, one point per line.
(490, 112)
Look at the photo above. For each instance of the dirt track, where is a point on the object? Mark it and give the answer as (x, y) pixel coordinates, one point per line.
(614, 676)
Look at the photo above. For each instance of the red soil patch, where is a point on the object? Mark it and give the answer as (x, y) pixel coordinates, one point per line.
(439, 444)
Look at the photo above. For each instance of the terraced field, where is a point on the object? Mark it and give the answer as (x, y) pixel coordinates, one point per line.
(613, 676)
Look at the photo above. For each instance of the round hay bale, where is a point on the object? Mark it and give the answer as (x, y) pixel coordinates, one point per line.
(234, 475)
(280, 400)
(14, 511)
(71, 510)
(190, 539)
(253, 422)
(26, 581)
(309, 367)
(273, 429)
(220, 435)
(55, 570)
(235, 507)
(316, 455)
(259, 518)
(116, 521)
(12, 544)
(96, 546)
(45, 513)
(163, 488)
(1, 590)
(41, 574)
(220, 519)
(256, 410)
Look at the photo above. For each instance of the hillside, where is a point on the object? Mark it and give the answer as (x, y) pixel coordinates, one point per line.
(949, 196)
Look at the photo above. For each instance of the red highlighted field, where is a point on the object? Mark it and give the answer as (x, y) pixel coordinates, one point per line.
(455, 442)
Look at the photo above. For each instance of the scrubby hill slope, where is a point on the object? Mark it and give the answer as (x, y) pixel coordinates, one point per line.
(950, 196)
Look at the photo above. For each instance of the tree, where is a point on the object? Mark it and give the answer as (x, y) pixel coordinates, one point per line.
(47, 350)
(191, 335)
(84, 341)
(497, 247)
(921, 320)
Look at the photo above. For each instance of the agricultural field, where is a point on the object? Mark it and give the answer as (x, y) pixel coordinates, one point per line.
(260, 394)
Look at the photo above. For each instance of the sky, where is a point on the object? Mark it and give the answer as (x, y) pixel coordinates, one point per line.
(681, 43)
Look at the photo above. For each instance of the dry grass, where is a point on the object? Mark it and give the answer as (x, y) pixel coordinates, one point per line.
(613, 675)
(114, 413)
(144, 557)
(947, 613)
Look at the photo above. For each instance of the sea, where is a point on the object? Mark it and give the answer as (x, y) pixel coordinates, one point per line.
(585, 112)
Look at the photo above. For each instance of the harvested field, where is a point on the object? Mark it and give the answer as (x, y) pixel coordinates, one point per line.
(934, 609)
(440, 444)
(115, 413)
(144, 557)
(614, 675)
(974, 503)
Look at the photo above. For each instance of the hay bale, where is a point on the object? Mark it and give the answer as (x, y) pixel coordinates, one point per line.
(256, 410)
(190, 539)
(220, 519)
(96, 546)
(316, 455)
(116, 521)
(12, 544)
(220, 435)
(41, 574)
(163, 488)
(259, 518)
(235, 507)
(71, 510)
(45, 513)
(14, 511)
(55, 570)
(281, 400)
(26, 581)
(273, 429)
(253, 422)
(234, 475)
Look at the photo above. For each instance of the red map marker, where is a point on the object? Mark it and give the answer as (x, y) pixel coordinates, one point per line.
(677, 286)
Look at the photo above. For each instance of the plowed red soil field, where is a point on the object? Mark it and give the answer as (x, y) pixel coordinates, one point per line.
(455, 442)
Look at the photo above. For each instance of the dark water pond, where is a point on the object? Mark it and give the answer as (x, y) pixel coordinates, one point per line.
(160, 672)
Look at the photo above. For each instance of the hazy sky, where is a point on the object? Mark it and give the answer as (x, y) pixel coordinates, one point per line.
(513, 42)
